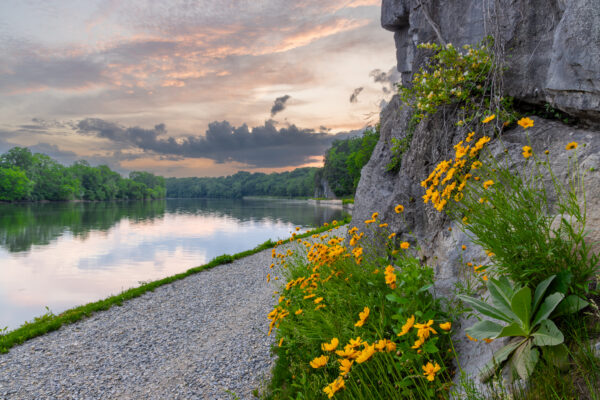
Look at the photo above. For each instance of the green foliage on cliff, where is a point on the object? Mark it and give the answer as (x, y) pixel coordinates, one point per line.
(35, 177)
(345, 159)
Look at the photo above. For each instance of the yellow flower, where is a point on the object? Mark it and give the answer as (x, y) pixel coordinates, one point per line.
(399, 208)
(446, 326)
(353, 343)
(471, 338)
(380, 345)
(485, 278)
(390, 346)
(268, 278)
(348, 352)
(319, 306)
(392, 235)
(487, 184)
(364, 355)
(463, 247)
(298, 312)
(470, 137)
(476, 164)
(280, 342)
(334, 386)
(319, 362)
(309, 296)
(318, 300)
(418, 343)
(345, 366)
(404, 245)
(384, 225)
(406, 327)
(488, 340)
(527, 151)
(390, 277)
(425, 329)
(369, 221)
(488, 119)
(362, 317)
(430, 370)
(331, 346)
(525, 122)
(571, 146)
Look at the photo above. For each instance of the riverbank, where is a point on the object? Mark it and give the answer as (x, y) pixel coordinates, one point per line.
(181, 338)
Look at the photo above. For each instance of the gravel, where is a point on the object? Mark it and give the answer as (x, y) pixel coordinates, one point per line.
(203, 337)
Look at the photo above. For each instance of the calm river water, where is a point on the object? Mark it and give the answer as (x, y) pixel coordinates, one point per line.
(60, 255)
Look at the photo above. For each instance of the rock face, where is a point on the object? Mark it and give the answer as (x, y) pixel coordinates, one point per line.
(553, 50)
(552, 47)
(323, 190)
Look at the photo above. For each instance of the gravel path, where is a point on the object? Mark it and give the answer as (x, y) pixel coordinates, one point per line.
(196, 338)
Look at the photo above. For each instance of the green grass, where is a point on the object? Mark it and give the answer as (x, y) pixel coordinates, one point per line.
(50, 322)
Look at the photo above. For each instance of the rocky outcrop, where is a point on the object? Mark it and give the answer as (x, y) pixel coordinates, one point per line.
(323, 190)
(552, 47)
(553, 55)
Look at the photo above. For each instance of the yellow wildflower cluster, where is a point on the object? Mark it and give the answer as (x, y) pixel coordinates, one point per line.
(351, 353)
(276, 316)
(390, 276)
(321, 254)
(430, 369)
(450, 177)
(424, 330)
(334, 386)
(363, 315)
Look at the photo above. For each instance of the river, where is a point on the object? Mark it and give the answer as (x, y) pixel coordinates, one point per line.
(60, 255)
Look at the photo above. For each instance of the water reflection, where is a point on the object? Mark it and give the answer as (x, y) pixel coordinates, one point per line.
(65, 254)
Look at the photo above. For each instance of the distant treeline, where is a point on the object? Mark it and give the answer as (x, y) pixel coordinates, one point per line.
(35, 177)
(297, 183)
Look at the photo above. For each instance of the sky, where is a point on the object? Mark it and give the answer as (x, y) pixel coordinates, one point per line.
(191, 87)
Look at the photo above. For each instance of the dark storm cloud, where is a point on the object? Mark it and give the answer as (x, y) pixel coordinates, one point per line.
(279, 104)
(354, 95)
(387, 79)
(44, 125)
(262, 146)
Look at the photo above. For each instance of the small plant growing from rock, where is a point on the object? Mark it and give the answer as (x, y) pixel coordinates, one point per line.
(527, 321)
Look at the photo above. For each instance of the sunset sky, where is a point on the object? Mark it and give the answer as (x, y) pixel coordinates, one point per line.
(190, 88)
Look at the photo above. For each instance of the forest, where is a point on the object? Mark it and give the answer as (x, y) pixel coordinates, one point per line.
(27, 176)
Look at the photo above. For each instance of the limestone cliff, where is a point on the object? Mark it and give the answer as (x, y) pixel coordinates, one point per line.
(552, 52)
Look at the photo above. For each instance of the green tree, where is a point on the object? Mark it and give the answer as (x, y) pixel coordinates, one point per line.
(14, 184)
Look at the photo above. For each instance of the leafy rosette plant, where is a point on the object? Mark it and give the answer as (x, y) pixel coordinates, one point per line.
(528, 319)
